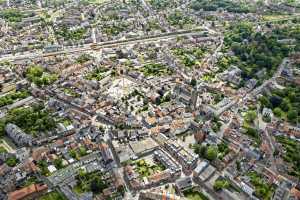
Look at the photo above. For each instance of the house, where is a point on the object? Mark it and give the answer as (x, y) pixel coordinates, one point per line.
(282, 192)
(29, 192)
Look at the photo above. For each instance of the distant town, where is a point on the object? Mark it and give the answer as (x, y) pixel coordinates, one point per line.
(149, 99)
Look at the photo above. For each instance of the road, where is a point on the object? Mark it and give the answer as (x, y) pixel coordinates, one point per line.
(100, 45)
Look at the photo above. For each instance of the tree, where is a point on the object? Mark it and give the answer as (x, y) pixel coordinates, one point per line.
(193, 82)
(292, 116)
(285, 105)
(220, 184)
(58, 163)
(200, 150)
(264, 101)
(12, 161)
(275, 101)
(277, 112)
(238, 165)
(211, 153)
(252, 132)
(97, 185)
(73, 154)
(250, 116)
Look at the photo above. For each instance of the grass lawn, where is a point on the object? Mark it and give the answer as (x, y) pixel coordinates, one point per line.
(194, 195)
(53, 196)
(2, 150)
(7, 144)
(71, 92)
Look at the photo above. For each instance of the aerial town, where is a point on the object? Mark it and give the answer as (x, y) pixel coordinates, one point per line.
(149, 99)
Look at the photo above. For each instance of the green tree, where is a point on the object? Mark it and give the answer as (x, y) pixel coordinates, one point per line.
(82, 151)
(277, 112)
(200, 149)
(220, 184)
(264, 101)
(73, 154)
(250, 116)
(12, 161)
(193, 82)
(211, 153)
(97, 185)
(292, 116)
(58, 163)
(285, 105)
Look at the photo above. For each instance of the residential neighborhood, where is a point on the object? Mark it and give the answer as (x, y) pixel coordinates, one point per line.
(150, 99)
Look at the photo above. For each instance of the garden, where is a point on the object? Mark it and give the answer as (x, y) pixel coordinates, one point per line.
(90, 182)
(285, 103)
(263, 190)
(97, 74)
(145, 169)
(78, 153)
(32, 120)
(155, 69)
(12, 97)
(38, 76)
(291, 154)
(192, 194)
(189, 56)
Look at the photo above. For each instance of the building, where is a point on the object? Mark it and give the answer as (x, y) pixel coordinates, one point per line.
(166, 161)
(267, 112)
(29, 192)
(187, 159)
(184, 183)
(153, 195)
(23, 154)
(106, 153)
(18, 136)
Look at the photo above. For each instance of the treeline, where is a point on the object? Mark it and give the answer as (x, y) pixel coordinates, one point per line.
(230, 6)
(257, 54)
